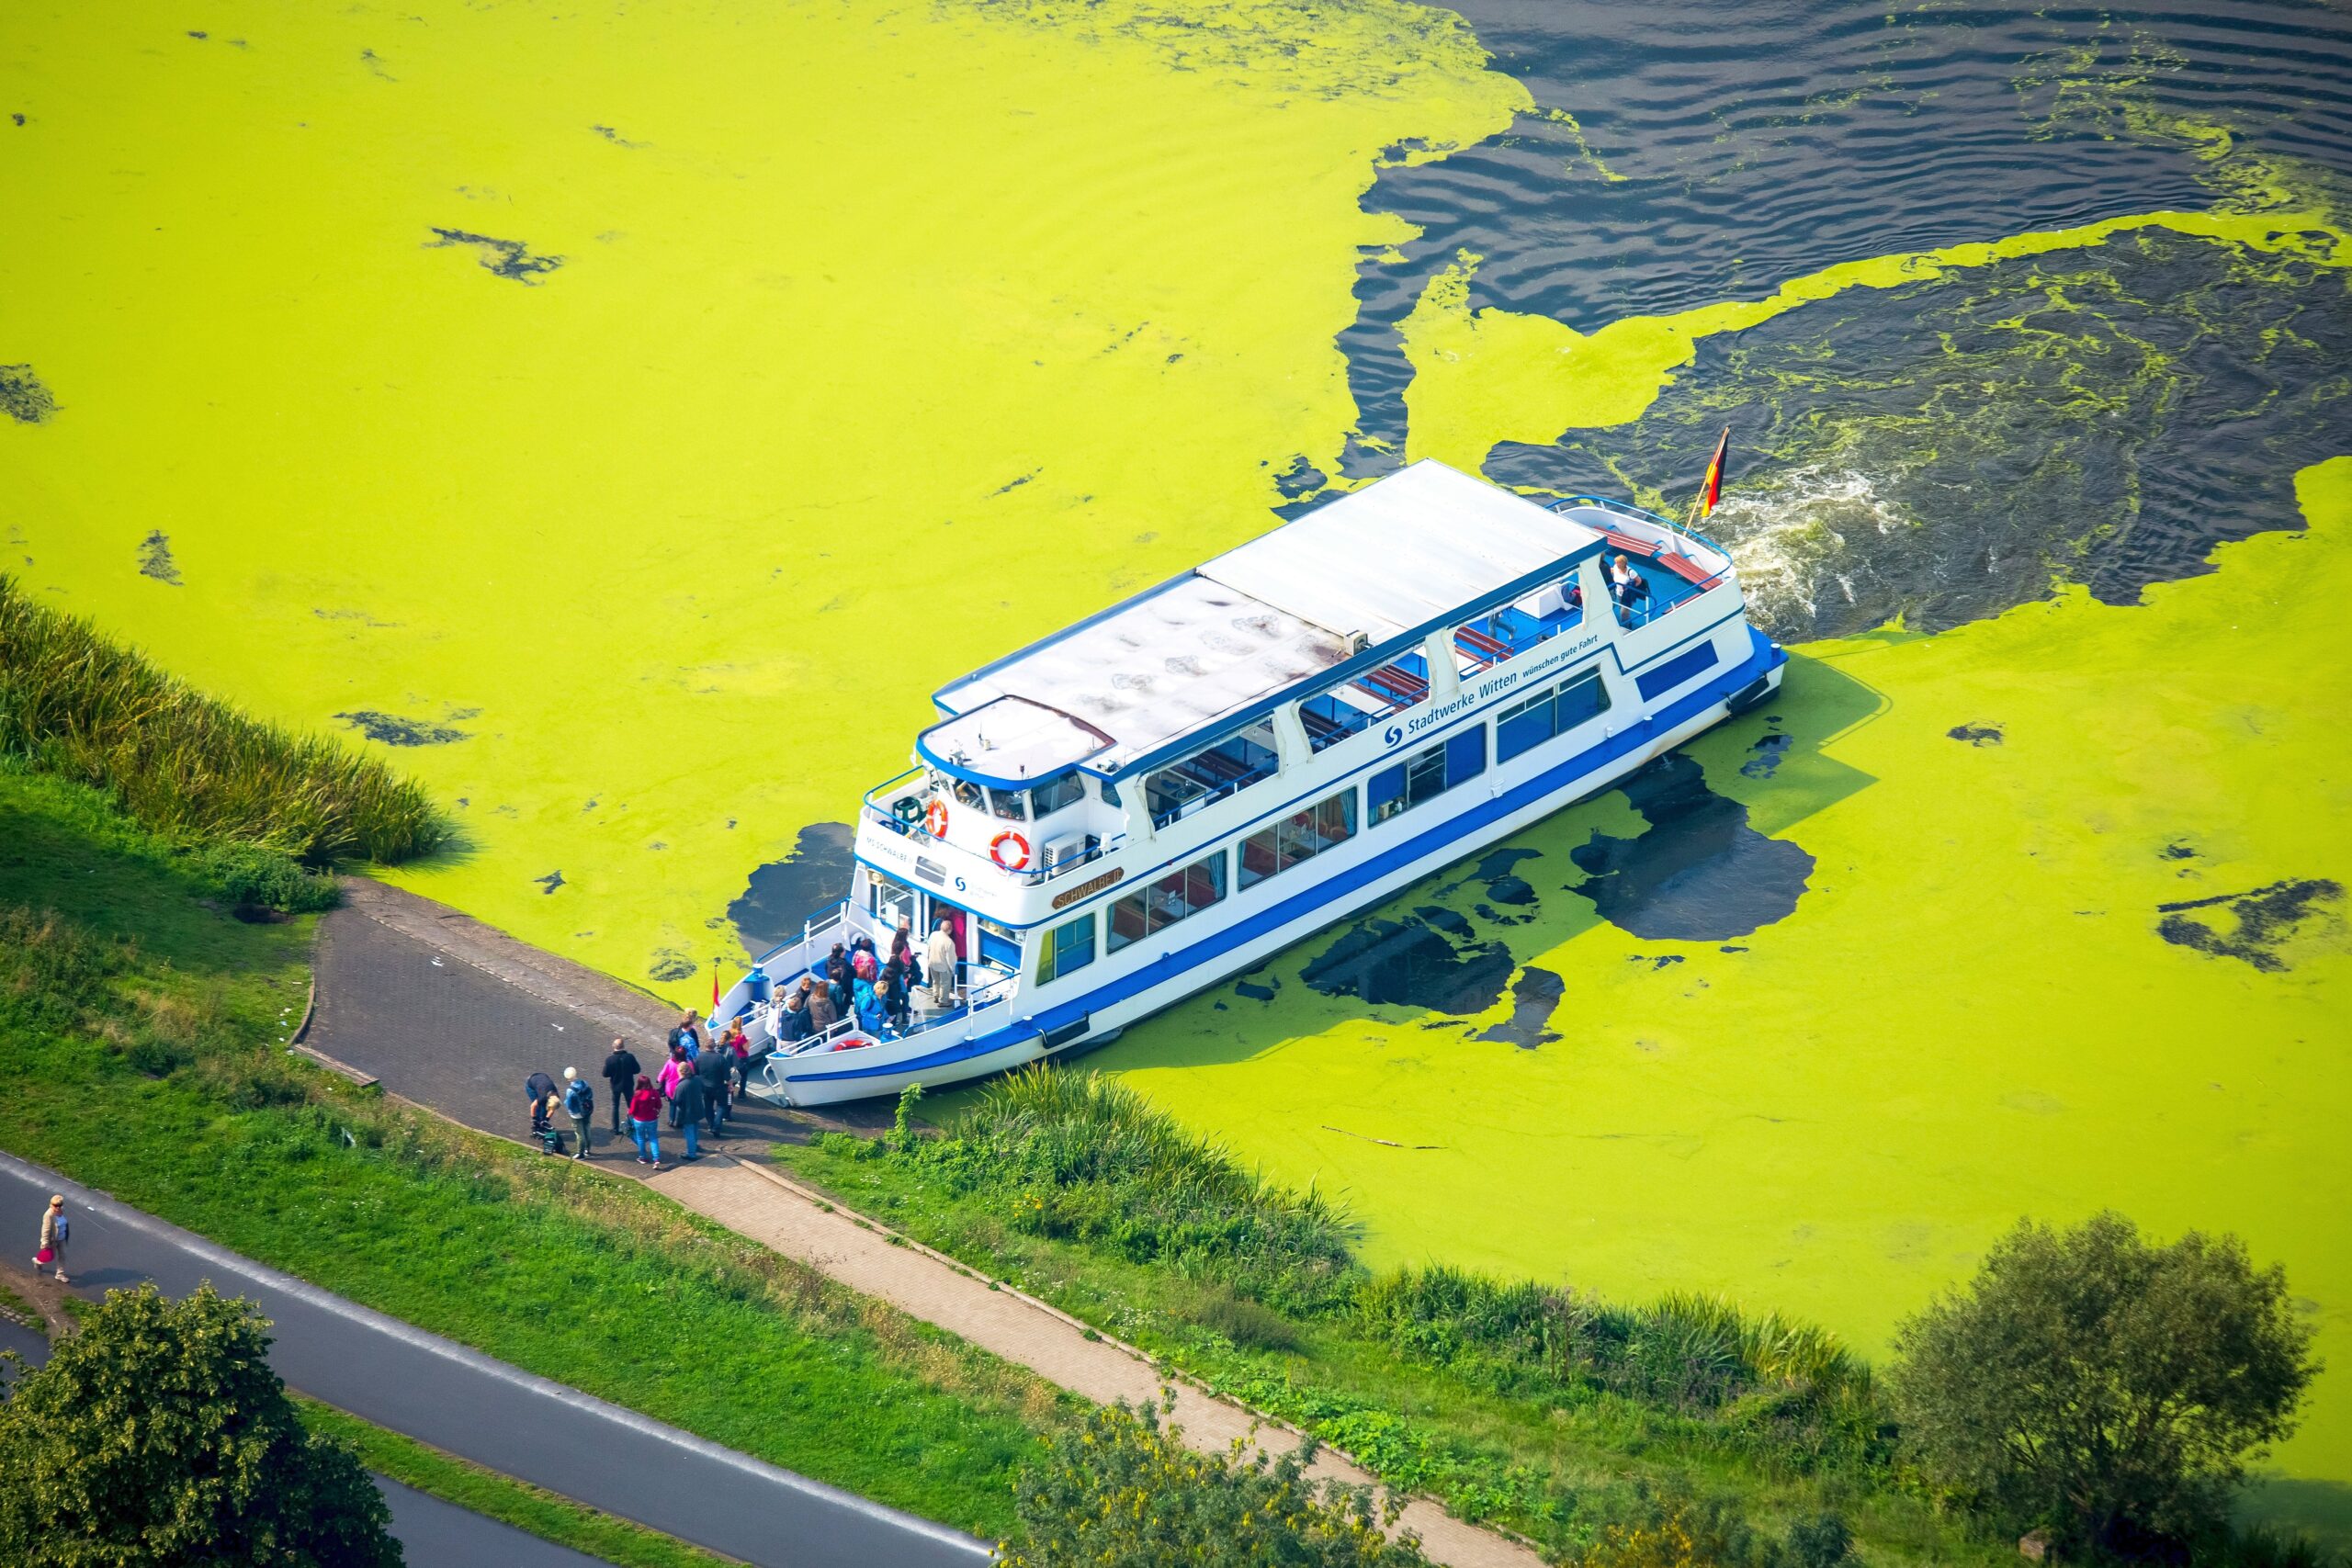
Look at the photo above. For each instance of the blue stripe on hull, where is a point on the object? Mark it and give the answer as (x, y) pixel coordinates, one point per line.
(1764, 659)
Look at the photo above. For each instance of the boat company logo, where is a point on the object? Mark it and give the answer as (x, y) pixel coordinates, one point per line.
(1087, 888)
(1472, 696)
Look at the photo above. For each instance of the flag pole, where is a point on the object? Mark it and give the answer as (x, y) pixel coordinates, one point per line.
(1710, 488)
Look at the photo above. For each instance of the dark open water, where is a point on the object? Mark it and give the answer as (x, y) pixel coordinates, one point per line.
(1941, 450)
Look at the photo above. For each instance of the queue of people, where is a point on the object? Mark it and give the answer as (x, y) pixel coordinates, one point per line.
(694, 1088)
(876, 995)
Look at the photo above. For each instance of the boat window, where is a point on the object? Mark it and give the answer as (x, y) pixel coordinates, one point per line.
(1301, 836)
(1178, 895)
(967, 793)
(1110, 793)
(1060, 791)
(1067, 946)
(1427, 774)
(1329, 719)
(1555, 710)
(888, 900)
(1234, 764)
(1012, 804)
(999, 945)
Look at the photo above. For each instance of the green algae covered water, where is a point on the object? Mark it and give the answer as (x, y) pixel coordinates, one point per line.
(631, 414)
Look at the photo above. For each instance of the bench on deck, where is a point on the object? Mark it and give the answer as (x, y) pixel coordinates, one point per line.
(1684, 567)
(1395, 685)
(1479, 645)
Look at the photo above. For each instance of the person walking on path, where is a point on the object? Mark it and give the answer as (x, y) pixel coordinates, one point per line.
(692, 1105)
(939, 957)
(645, 1122)
(53, 1227)
(580, 1104)
(621, 1073)
(672, 1070)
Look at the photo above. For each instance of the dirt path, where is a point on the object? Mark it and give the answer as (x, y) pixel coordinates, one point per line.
(453, 1014)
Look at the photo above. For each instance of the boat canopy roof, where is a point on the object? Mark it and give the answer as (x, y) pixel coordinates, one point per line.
(1377, 567)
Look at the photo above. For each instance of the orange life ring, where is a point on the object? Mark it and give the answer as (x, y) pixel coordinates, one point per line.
(936, 817)
(1020, 859)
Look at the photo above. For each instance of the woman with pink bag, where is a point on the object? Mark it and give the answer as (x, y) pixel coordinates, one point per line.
(53, 1228)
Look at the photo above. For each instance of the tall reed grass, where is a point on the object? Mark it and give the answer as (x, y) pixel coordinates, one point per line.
(1081, 1157)
(74, 702)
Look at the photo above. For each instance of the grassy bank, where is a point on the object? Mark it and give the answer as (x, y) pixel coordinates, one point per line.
(75, 703)
(141, 1024)
(1529, 1405)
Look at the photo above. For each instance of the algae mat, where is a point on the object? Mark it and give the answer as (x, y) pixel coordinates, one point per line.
(1971, 1013)
(634, 415)
(631, 416)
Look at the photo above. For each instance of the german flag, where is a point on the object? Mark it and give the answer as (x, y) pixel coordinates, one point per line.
(1711, 488)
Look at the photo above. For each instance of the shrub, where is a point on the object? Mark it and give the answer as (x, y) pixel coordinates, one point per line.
(1822, 1541)
(1118, 1492)
(74, 702)
(2108, 1389)
(1245, 1324)
(158, 1434)
(251, 874)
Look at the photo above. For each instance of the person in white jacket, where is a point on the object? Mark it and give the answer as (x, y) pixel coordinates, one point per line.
(939, 956)
(53, 1227)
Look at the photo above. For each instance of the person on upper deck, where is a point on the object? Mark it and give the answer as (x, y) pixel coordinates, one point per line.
(1626, 585)
(939, 956)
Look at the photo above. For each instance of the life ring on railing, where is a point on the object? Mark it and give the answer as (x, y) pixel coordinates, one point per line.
(1018, 860)
(936, 817)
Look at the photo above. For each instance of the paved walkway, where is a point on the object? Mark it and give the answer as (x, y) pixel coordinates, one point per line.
(431, 1531)
(465, 1403)
(453, 1015)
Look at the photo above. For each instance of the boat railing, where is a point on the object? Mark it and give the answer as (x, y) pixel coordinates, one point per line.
(822, 924)
(981, 995)
(1640, 513)
(1666, 551)
(1093, 849)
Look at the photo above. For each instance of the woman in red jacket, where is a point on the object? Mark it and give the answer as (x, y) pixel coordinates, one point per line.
(645, 1122)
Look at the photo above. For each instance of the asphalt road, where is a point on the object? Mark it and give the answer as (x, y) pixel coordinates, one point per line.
(457, 1399)
(432, 1533)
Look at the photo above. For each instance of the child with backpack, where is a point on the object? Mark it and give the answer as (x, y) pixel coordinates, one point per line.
(580, 1104)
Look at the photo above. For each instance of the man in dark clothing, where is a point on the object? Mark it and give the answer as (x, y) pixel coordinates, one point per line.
(688, 1102)
(716, 1067)
(621, 1072)
(541, 1088)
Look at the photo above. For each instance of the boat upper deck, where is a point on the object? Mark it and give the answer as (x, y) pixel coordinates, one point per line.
(1375, 569)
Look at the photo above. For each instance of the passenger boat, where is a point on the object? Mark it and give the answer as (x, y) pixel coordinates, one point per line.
(1171, 791)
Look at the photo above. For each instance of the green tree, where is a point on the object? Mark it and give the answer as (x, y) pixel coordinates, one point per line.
(1118, 1492)
(2101, 1386)
(159, 1435)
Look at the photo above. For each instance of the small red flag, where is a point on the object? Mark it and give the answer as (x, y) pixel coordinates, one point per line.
(1711, 488)
(714, 987)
